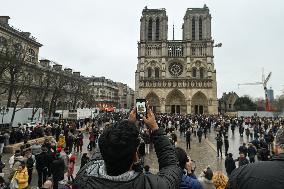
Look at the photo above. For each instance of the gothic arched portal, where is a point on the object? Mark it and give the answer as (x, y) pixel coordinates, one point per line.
(199, 103)
(176, 102)
(153, 102)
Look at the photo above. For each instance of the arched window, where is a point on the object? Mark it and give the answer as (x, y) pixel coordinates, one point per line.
(150, 23)
(200, 28)
(3, 41)
(149, 70)
(31, 55)
(157, 29)
(193, 28)
(157, 72)
(193, 72)
(201, 73)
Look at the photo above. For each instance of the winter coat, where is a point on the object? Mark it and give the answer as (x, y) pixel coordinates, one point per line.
(189, 183)
(42, 161)
(70, 169)
(259, 175)
(92, 175)
(22, 178)
(230, 165)
(61, 141)
(57, 169)
(243, 161)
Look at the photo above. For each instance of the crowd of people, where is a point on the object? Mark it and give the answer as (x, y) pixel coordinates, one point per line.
(121, 144)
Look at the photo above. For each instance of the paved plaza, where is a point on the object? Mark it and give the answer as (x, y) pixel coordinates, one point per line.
(203, 154)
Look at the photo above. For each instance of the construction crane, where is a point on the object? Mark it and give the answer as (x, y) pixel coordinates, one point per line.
(264, 84)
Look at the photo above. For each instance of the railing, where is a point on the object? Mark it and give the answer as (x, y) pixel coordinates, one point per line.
(176, 48)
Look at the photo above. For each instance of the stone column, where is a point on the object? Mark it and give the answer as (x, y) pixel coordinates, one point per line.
(163, 105)
(188, 106)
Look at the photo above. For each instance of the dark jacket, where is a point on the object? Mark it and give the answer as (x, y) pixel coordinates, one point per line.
(57, 169)
(169, 175)
(42, 161)
(230, 165)
(188, 182)
(260, 175)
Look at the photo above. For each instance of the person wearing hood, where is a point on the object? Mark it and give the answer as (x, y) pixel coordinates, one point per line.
(119, 167)
(21, 176)
(205, 179)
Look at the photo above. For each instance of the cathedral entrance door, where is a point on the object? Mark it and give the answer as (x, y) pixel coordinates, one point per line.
(199, 103)
(200, 109)
(153, 102)
(175, 102)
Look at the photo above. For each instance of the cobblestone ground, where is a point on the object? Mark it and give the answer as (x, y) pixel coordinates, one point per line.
(203, 154)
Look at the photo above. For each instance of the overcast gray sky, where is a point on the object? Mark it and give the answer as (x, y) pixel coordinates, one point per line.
(100, 37)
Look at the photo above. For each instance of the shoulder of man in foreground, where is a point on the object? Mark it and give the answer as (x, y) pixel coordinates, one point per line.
(264, 174)
(169, 175)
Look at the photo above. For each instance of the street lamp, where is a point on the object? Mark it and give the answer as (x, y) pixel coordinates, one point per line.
(3, 112)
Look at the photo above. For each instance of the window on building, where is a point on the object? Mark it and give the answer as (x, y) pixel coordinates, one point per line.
(201, 73)
(193, 51)
(157, 72)
(157, 29)
(193, 72)
(31, 55)
(200, 28)
(149, 72)
(3, 41)
(150, 23)
(193, 28)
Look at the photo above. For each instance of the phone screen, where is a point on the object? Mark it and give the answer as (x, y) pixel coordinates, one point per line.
(141, 109)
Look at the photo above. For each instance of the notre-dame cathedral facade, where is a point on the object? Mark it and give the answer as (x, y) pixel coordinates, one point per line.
(177, 76)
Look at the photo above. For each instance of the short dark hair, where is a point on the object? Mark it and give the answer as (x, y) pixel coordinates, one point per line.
(181, 156)
(146, 168)
(118, 145)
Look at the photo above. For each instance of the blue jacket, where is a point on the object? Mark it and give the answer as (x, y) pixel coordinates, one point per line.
(189, 183)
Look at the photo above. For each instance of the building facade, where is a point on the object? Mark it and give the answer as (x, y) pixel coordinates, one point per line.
(110, 95)
(177, 76)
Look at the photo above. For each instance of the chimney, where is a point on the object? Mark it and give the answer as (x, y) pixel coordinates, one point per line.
(26, 34)
(68, 70)
(4, 20)
(57, 67)
(77, 74)
(44, 62)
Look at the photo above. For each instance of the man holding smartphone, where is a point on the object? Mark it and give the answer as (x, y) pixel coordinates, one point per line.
(118, 147)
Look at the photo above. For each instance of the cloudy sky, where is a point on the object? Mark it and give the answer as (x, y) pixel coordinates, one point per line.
(99, 37)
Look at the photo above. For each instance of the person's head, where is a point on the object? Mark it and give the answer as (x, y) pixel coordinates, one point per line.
(242, 155)
(21, 166)
(230, 155)
(244, 144)
(208, 173)
(181, 156)
(279, 142)
(118, 146)
(147, 168)
(219, 179)
(84, 155)
(17, 153)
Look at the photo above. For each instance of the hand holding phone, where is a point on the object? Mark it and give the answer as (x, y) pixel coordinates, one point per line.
(141, 109)
(150, 120)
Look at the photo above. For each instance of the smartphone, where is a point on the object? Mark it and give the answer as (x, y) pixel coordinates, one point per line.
(141, 109)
